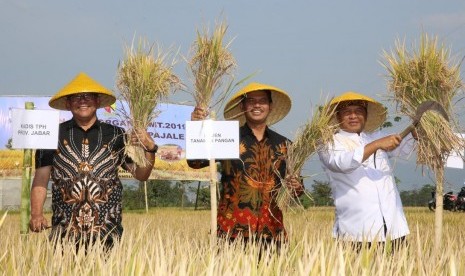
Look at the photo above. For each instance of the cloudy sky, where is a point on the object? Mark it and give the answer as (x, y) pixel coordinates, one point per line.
(312, 49)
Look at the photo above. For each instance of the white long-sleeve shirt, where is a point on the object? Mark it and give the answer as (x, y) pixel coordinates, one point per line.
(365, 194)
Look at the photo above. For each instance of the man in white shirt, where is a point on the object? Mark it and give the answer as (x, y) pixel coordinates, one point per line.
(368, 205)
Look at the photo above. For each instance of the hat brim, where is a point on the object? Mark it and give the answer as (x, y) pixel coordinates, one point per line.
(60, 103)
(376, 112)
(281, 104)
(82, 83)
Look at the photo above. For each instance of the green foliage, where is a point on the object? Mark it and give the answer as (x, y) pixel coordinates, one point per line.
(419, 197)
(321, 193)
(160, 193)
(306, 201)
(386, 124)
(203, 197)
(389, 123)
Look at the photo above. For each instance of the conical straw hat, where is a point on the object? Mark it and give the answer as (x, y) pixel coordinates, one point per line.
(281, 103)
(82, 83)
(376, 112)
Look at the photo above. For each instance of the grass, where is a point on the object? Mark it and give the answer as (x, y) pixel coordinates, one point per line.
(176, 242)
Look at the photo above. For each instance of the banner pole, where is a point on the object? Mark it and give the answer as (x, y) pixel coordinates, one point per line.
(197, 196)
(146, 198)
(26, 184)
(213, 199)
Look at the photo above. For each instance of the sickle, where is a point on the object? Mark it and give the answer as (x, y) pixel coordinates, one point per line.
(421, 109)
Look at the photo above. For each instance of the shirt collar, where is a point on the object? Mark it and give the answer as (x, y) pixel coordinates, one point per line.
(350, 134)
(72, 124)
(246, 130)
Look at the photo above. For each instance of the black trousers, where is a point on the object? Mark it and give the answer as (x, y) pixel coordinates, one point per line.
(84, 243)
(264, 244)
(395, 244)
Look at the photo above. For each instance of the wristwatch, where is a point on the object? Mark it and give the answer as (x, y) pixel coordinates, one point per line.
(154, 150)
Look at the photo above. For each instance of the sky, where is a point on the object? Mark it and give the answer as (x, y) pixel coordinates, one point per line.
(311, 49)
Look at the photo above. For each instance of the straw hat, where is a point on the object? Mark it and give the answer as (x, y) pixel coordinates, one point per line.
(281, 103)
(82, 83)
(376, 112)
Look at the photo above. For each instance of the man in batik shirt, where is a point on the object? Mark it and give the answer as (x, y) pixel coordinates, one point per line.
(247, 206)
(86, 189)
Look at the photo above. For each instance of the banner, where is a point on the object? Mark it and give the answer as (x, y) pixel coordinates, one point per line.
(454, 160)
(168, 131)
(212, 139)
(34, 129)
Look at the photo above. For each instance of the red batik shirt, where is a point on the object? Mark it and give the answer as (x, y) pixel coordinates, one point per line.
(249, 185)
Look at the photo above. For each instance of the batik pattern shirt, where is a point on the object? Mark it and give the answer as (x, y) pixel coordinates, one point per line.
(249, 185)
(86, 190)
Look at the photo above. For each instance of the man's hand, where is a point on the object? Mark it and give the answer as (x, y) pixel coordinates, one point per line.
(389, 143)
(38, 223)
(294, 184)
(198, 114)
(142, 138)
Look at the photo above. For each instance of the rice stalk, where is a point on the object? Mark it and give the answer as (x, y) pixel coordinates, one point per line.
(144, 78)
(210, 62)
(3, 218)
(424, 74)
(310, 137)
(148, 246)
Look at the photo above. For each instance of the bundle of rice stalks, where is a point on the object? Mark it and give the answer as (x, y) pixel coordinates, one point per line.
(309, 139)
(420, 75)
(144, 79)
(210, 62)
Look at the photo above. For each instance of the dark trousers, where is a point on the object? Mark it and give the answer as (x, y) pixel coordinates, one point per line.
(84, 243)
(395, 245)
(263, 244)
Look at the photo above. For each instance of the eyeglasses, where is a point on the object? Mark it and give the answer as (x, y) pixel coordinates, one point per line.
(358, 111)
(254, 101)
(84, 97)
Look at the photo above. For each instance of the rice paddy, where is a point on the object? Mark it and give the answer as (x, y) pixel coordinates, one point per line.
(176, 242)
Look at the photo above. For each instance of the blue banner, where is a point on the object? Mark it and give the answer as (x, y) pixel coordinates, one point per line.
(168, 130)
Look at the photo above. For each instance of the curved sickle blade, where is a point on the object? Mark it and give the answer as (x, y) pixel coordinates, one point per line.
(421, 109)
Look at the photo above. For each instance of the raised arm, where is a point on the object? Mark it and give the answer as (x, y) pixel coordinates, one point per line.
(388, 143)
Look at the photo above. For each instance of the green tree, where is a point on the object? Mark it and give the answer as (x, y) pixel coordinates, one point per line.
(203, 197)
(321, 193)
(419, 197)
(160, 193)
(306, 200)
(131, 198)
(163, 194)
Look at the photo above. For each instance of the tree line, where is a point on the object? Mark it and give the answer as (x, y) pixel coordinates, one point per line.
(165, 193)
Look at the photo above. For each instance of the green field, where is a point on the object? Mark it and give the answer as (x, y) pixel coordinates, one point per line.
(176, 242)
